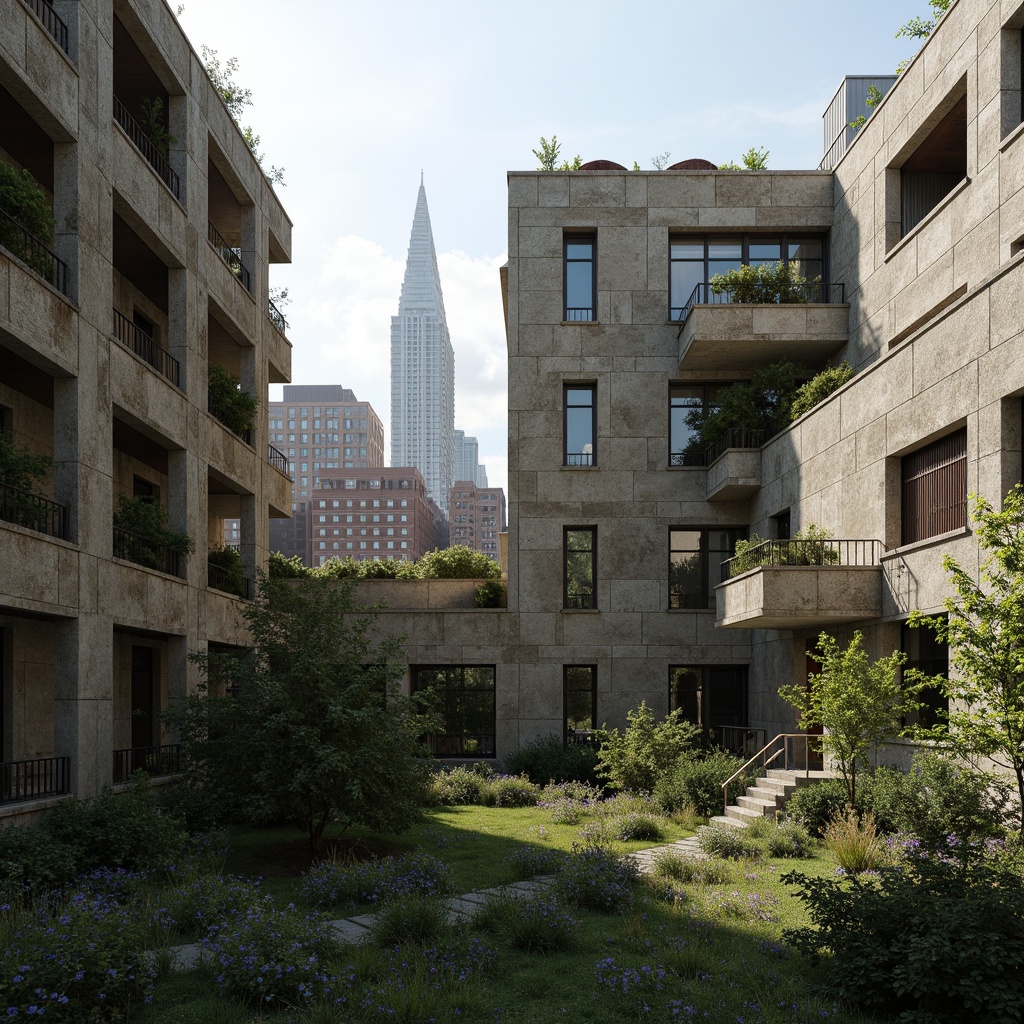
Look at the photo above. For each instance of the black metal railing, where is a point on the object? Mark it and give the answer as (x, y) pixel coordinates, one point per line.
(142, 344)
(580, 313)
(795, 294)
(734, 437)
(32, 512)
(144, 551)
(583, 738)
(30, 780)
(460, 745)
(33, 253)
(51, 22)
(145, 146)
(579, 458)
(165, 760)
(737, 739)
(277, 318)
(277, 459)
(797, 552)
(227, 581)
(231, 255)
(688, 459)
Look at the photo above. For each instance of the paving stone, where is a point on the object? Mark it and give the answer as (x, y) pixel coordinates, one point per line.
(349, 931)
(365, 920)
(461, 907)
(185, 958)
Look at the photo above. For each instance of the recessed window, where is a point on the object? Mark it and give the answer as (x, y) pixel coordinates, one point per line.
(695, 560)
(580, 424)
(684, 399)
(934, 488)
(579, 700)
(579, 565)
(928, 655)
(712, 696)
(465, 704)
(580, 277)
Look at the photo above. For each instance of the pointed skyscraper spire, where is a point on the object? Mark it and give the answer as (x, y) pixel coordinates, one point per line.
(423, 366)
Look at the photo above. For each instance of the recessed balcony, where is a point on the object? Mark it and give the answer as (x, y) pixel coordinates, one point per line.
(718, 333)
(801, 584)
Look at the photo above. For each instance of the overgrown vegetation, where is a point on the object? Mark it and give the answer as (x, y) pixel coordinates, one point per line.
(153, 121)
(21, 474)
(548, 154)
(235, 408)
(819, 387)
(150, 536)
(458, 562)
(762, 282)
(809, 546)
(23, 199)
(229, 574)
(755, 159)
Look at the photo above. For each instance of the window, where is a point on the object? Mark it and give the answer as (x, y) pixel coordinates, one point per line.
(580, 424)
(695, 259)
(695, 563)
(926, 654)
(713, 697)
(934, 480)
(579, 699)
(580, 277)
(465, 705)
(682, 400)
(579, 561)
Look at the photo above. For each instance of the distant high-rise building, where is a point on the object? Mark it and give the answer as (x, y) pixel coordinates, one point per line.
(423, 367)
(466, 460)
(476, 516)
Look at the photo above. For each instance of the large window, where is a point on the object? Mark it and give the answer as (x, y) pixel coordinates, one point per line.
(926, 654)
(709, 695)
(934, 480)
(695, 259)
(579, 564)
(684, 399)
(580, 425)
(695, 563)
(580, 277)
(465, 703)
(579, 700)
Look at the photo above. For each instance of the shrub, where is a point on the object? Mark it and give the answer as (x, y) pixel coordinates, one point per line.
(697, 781)
(32, 862)
(674, 866)
(491, 594)
(637, 759)
(231, 575)
(854, 841)
(809, 546)
(457, 786)
(510, 791)
(552, 760)
(766, 282)
(815, 806)
(595, 878)
(281, 568)
(23, 199)
(819, 387)
(329, 884)
(18, 467)
(145, 520)
(457, 563)
(536, 923)
(192, 908)
(231, 405)
(529, 861)
(638, 826)
(727, 843)
(751, 906)
(789, 839)
(414, 918)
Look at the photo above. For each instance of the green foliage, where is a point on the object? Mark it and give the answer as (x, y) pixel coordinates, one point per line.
(660, 162)
(933, 941)
(754, 159)
(808, 546)
(457, 563)
(819, 387)
(491, 594)
(674, 866)
(411, 919)
(23, 199)
(550, 759)
(725, 842)
(235, 408)
(697, 781)
(921, 28)
(548, 154)
(859, 702)
(150, 535)
(648, 750)
(874, 97)
(779, 839)
(316, 730)
(281, 568)
(21, 470)
(815, 806)
(762, 403)
(232, 575)
(535, 922)
(852, 839)
(31, 863)
(637, 825)
(509, 791)
(153, 122)
(985, 632)
(763, 282)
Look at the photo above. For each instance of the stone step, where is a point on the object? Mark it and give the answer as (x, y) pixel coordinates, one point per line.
(778, 785)
(799, 777)
(723, 822)
(744, 814)
(775, 797)
(753, 803)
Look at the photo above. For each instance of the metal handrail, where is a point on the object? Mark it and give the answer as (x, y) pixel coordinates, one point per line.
(227, 582)
(144, 145)
(737, 737)
(805, 552)
(162, 760)
(818, 292)
(38, 777)
(579, 314)
(231, 255)
(144, 551)
(33, 253)
(765, 760)
(276, 317)
(734, 437)
(33, 512)
(277, 459)
(51, 20)
(134, 338)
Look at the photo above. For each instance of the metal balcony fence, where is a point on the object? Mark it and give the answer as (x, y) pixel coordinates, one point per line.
(144, 145)
(32, 512)
(31, 780)
(228, 582)
(231, 255)
(810, 552)
(142, 344)
(163, 760)
(51, 22)
(144, 551)
(247, 435)
(734, 437)
(810, 291)
(277, 459)
(33, 253)
(277, 318)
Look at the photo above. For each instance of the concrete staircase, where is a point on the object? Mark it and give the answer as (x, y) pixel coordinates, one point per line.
(767, 796)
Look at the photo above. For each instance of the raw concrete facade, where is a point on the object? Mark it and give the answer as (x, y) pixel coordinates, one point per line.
(160, 270)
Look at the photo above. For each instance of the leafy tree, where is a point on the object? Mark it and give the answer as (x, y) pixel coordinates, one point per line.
(314, 728)
(858, 702)
(647, 751)
(234, 407)
(985, 632)
(548, 156)
(819, 387)
(281, 567)
(921, 28)
(457, 563)
(154, 123)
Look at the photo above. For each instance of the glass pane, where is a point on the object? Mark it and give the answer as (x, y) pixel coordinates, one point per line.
(579, 250)
(579, 540)
(579, 396)
(579, 433)
(579, 286)
(687, 250)
(764, 250)
(684, 277)
(805, 249)
(724, 249)
(684, 579)
(686, 692)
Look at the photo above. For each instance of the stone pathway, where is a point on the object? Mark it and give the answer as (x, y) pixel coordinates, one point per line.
(461, 908)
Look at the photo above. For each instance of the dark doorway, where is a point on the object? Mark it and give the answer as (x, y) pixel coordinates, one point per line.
(144, 702)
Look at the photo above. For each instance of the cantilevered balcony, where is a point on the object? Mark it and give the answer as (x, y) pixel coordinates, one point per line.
(51, 21)
(137, 340)
(734, 465)
(276, 317)
(801, 584)
(33, 253)
(232, 256)
(718, 333)
(32, 512)
(144, 145)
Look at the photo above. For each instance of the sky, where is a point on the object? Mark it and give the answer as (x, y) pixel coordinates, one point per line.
(354, 100)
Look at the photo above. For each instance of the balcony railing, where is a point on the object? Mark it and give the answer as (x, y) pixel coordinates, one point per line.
(32, 512)
(144, 145)
(579, 458)
(31, 780)
(227, 581)
(246, 435)
(142, 344)
(583, 738)
(734, 437)
(143, 551)
(805, 553)
(33, 253)
(165, 760)
(580, 313)
(231, 255)
(811, 291)
(737, 739)
(51, 22)
(277, 318)
(277, 459)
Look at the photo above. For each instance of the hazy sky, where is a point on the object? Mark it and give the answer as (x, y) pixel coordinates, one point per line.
(353, 100)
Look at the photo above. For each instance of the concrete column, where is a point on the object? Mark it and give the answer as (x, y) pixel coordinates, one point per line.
(65, 449)
(65, 210)
(177, 321)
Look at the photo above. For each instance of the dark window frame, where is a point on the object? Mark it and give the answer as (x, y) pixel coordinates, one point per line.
(566, 670)
(453, 744)
(708, 712)
(579, 238)
(914, 643)
(579, 458)
(685, 458)
(579, 601)
(678, 600)
(933, 488)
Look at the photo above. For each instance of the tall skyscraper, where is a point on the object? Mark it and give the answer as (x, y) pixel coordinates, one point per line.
(423, 367)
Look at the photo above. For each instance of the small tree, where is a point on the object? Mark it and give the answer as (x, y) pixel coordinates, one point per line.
(858, 702)
(313, 728)
(985, 633)
(648, 750)
(548, 156)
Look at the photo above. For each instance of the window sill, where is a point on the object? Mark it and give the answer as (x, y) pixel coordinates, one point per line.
(927, 219)
(580, 323)
(1011, 138)
(927, 542)
(577, 469)
(580, 611)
